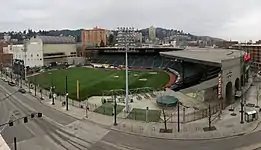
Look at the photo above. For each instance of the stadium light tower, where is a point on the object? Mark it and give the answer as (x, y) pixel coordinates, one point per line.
(126, 40)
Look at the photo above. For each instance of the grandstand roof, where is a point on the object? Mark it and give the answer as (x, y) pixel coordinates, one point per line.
(57, 40)
(208, 56)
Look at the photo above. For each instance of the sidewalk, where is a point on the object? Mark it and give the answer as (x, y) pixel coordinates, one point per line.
(226, 126)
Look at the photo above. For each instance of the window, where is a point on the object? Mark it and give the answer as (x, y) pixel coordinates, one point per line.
(37, 55)
(40, 58)
(31, 55)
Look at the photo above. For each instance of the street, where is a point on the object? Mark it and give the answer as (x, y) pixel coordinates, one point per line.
(53, 131)
(59, 131)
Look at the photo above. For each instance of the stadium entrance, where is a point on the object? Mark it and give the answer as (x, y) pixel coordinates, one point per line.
(229, 92)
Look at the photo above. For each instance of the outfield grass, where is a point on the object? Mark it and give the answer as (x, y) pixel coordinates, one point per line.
(140, 114)
(94, 81)
(107, 109)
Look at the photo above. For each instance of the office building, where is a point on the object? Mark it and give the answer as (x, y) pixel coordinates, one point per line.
(93, 37)
(152, 33)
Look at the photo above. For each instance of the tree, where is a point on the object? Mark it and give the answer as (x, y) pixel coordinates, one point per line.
(111, 40)
(164, 118)
(257, 95)
(102, 44)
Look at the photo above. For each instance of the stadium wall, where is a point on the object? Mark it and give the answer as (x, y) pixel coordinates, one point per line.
(230, 71)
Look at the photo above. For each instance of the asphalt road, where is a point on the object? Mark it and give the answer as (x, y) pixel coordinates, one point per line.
(121, 141)
(53, 131)
(58, 131)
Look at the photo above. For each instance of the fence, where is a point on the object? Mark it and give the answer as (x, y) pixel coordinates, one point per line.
(135, 114)
(186, 117)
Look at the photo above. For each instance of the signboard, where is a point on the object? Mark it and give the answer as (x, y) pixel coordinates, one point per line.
(246, 56)
(219, 86)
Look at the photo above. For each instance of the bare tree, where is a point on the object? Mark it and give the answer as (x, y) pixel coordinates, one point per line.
(257, 95)
(164, 118)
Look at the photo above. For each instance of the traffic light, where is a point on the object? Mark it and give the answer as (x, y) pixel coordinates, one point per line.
(32, 115)
(39, 115)
(11, 123)
(25, 119)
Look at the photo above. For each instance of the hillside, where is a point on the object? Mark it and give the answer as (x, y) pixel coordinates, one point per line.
(161, 33)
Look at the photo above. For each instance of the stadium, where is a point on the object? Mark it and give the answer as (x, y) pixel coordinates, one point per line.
(193, 73)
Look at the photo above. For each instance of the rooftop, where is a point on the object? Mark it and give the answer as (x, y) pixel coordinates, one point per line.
(204, 55)
(57, 40)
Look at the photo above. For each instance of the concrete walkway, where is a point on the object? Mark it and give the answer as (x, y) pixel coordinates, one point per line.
(226, 125)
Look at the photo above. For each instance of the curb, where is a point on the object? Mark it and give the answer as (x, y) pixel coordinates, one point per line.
(111, 127)
(190, 139)
(178, 139)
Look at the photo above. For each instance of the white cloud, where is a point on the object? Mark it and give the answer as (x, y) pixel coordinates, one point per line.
(233, 19)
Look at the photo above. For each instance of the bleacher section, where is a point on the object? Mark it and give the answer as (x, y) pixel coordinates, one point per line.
(193, 73)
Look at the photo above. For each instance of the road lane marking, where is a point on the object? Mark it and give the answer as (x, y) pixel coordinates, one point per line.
(250, 147)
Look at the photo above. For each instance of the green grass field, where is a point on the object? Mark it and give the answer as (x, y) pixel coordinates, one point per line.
(107, 109)
(94, 81)
(140, 114)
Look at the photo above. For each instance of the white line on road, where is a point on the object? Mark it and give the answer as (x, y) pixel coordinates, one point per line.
(121, 147)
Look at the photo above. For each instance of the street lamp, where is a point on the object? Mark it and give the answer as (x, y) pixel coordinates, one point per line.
(25, 51)
(115, 111)
(241, 88)
(66, 93)
(52, 89)
(126, 39)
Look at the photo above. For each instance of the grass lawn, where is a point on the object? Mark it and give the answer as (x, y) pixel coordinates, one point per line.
(107, 109)
(94, 81)
(140, 114)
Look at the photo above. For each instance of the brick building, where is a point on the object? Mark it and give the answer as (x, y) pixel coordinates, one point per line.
(226, 44)
(255, 53)
(92, 38)
(6, 59)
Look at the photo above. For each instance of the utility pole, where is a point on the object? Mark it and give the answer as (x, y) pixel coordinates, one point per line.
(178, 117)
(66, 92)
(11, 76)
(25, 51)
(241, 88)
(126, 38)
(209, 117)
(15, 146)
(257, 96)
(52, 89)
(34, 85)
(183, 72)
(115, 111)
(29, 85)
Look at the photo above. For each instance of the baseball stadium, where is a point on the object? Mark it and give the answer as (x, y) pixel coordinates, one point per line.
(186, 75)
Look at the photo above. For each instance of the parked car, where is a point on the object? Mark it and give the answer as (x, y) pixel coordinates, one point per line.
(21, 90)
(11, 83)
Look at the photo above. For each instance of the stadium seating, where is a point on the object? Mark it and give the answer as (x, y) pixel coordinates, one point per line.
(193, 73)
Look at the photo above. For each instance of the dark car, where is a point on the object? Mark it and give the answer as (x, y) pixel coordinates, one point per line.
(21, 90)
(11, 83)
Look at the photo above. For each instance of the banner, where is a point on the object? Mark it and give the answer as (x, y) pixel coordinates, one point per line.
(219, 86)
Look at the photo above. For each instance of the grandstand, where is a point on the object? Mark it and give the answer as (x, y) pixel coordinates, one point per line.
(188, 73)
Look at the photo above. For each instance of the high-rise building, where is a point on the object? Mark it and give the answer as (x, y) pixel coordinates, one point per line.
(93, 37)
(152, 33)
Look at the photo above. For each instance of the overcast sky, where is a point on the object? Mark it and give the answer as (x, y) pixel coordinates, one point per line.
(228, 19)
